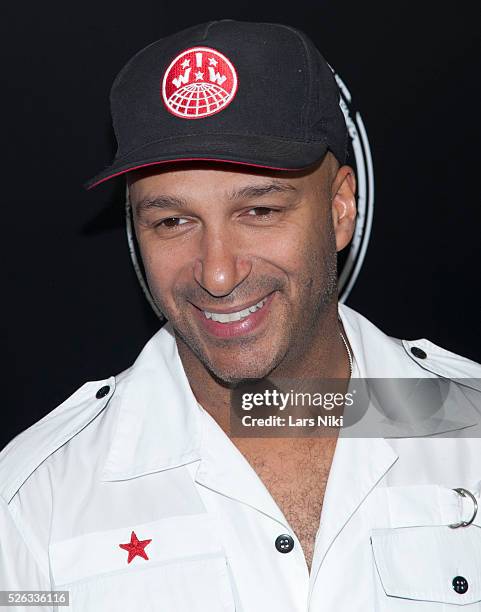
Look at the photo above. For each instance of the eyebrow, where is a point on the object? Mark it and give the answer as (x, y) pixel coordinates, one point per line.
(160, 201)
(256, 191)
(249, 191)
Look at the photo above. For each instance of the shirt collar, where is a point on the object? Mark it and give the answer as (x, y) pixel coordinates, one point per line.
(157, 416)
(160, 425)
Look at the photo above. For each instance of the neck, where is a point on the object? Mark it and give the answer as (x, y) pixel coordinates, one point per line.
(324, 356)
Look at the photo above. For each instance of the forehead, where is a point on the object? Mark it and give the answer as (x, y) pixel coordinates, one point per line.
(194, 179)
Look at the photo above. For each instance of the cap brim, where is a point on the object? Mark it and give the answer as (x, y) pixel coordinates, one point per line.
(258, 151)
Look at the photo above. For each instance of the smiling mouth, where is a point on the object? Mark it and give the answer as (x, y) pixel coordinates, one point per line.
(229, 317)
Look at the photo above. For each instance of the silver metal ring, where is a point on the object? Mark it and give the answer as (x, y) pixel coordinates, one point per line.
(464, 493)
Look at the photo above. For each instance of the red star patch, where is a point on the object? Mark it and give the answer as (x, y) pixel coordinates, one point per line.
(135, 547)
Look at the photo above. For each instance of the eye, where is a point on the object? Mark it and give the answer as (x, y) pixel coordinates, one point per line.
(171, 222)
(260, 211)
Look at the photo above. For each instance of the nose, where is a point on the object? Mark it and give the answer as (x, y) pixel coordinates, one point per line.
(219, 269)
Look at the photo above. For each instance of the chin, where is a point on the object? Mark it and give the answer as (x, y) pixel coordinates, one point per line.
(238, 359)
(235, 371)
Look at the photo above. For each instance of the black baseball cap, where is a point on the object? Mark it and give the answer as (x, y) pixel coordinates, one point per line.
(259, 94)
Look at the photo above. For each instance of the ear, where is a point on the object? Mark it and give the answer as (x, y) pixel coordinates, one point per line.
(343, 198)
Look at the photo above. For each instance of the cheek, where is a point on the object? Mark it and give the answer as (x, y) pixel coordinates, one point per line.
(286, 244)
(302, 249)
(162, 265)
(311, 262)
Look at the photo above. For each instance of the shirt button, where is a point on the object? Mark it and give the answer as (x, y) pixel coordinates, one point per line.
(284, 543)
(102, 392)
(460, 584)
(418, 352)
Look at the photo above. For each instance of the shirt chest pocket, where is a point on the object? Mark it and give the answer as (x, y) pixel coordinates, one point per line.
(436, 565)
(176, 564)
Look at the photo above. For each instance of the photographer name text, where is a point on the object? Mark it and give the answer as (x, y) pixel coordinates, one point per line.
(291, 421)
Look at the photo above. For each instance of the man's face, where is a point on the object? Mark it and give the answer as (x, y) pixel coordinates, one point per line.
(241, 262)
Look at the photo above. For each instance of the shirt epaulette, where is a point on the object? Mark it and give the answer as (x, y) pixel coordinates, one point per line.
(444, 363)
(31, 447)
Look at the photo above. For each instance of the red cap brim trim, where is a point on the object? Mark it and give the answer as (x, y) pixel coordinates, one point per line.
(186, 159)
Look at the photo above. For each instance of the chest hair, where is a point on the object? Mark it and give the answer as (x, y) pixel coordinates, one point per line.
(295, 472)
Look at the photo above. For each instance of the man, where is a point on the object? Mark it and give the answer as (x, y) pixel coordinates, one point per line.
(133, 494)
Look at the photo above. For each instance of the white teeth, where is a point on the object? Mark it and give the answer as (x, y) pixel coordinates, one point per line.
(234, 316)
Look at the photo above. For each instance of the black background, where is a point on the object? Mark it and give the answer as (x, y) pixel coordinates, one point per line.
(72, 308)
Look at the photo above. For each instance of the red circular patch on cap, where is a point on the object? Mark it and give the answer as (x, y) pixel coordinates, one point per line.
(199, 82)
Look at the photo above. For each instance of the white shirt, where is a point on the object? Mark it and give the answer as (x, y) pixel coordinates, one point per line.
(144, 458)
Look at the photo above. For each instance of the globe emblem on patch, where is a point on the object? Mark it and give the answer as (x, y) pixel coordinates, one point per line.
(199, 82)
